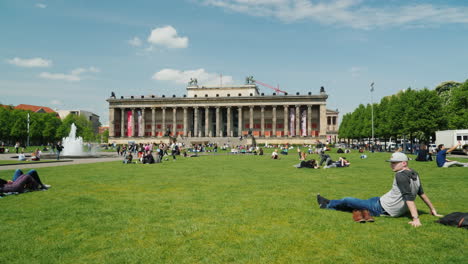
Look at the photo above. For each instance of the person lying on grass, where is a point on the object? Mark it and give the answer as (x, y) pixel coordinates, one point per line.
(341, 163)
(21, 181)
(311, 164)
(397, 202)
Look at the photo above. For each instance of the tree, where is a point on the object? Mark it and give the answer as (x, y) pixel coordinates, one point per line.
(457, 107)
(84, 127)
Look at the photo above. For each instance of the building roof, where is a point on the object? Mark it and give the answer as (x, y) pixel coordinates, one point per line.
(35, 108)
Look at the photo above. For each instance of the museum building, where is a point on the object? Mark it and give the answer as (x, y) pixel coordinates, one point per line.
(223, 114)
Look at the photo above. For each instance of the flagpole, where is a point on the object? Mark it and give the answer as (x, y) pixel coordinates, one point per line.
(372, 111)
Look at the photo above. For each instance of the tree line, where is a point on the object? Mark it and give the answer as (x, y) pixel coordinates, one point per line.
(44, 128)
(410, 114)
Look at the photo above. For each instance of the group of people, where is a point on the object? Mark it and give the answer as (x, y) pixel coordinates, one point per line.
(144, 152)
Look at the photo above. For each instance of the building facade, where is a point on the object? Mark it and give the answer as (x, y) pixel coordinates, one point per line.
(92, 117)
(222, 115)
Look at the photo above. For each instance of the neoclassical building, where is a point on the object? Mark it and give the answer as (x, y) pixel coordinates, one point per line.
(223, 115)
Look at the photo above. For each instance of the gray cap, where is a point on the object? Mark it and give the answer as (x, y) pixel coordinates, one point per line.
(398, 157)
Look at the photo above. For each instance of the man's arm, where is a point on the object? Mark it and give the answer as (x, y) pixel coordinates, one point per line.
(414, 214)
(454, 147)
(429, 204)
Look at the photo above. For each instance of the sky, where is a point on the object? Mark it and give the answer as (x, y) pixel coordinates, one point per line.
(68, 54)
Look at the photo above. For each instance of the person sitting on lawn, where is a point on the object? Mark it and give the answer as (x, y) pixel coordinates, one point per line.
(397, 202)
(128, 158)
(424, 154)
(36, 155)
(442, 160)
(21, 181)
(274, 154)
(21, 156)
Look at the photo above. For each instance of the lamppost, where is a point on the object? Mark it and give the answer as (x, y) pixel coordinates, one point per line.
(27, 142)
(372, 112)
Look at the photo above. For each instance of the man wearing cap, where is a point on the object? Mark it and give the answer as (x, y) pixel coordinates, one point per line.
(442, 160)
(397, 202)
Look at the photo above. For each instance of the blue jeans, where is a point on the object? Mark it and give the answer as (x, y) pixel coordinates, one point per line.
(32, 173)
(349, 204)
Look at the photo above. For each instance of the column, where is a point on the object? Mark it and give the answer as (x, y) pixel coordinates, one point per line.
(239, 122)
(174, 122)
(286, 118)
(323, 120)
(153, 121)
(228, 114)
(122, 122)
(274, 121)
(251, 125)
(133, 122)
(185, 121)
(218, 128)
(207, 119)
(195, 121)
(143, 122)
(111, 122)
(298, 121)
(309, 120)
(163, 128)
(262, 121)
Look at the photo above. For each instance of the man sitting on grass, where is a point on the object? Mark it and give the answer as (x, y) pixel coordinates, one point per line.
(442, 160)
(398, 201)
(21, 181)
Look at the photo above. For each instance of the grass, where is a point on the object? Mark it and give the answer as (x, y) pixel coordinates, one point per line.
(16, 162)
(225, 208)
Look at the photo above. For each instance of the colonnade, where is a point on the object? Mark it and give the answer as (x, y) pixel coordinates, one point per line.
(219, 121)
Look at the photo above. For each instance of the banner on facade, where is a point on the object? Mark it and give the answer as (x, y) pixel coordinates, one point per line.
(129, 123)
(292, 122)
(140, 127)
(304, 123)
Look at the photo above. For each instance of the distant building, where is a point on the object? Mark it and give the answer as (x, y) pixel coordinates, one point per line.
(88, 115)
(236, 114)
(102, 129)
(35, 108)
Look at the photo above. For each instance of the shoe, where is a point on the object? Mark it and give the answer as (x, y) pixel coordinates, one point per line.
(357, 217)
(322, 201)
(367, 216)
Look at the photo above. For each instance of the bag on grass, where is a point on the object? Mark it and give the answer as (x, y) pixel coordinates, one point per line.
(455, 219)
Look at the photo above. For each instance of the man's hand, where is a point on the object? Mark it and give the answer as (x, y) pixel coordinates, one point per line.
(415, 222)
(434, 213)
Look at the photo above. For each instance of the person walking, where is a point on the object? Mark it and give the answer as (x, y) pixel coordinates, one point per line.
(59, 149)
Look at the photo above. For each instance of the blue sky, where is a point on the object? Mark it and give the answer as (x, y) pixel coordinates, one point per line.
(72, 54)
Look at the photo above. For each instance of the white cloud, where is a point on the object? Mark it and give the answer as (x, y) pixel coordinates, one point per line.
(167, 37)
(74, 75)
(40, 5)
(356, 71)
(183, 77)
(30, 63)
(56, 102)
(136, 42)
(348, 13)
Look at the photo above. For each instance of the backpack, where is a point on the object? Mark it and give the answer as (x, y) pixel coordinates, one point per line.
(455, 219)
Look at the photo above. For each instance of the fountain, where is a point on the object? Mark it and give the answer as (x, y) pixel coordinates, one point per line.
(72, 145)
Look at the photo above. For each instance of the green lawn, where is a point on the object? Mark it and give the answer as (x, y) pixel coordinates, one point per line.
(15, 161)
(225, 208)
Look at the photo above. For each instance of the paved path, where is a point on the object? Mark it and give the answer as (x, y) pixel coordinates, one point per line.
(54, 164)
